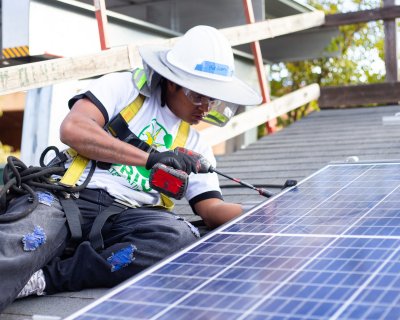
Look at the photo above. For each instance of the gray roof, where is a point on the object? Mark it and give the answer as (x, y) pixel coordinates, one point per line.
(308, 145)
(293, 153)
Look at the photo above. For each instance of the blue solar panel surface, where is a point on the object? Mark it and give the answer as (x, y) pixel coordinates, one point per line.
(327, 249)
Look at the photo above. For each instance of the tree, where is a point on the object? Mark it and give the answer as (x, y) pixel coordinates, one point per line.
(360, 46)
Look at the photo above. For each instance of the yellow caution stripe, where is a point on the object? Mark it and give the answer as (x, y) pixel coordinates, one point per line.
(16, 52)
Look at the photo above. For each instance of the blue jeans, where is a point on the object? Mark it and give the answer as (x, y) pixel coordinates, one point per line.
(133, 240)
(27, 244)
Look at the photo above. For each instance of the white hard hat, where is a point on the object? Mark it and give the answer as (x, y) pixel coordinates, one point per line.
(213, 61)
(202, 61)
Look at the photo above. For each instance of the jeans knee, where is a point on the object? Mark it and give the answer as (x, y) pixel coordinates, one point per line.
(188, 233)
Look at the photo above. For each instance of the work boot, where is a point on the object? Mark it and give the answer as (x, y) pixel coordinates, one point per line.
(35, 285)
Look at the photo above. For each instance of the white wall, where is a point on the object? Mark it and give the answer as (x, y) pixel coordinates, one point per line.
(59, 31)
(15, 23)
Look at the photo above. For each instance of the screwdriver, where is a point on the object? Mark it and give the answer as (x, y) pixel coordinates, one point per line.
(205, 167)
(261, 191)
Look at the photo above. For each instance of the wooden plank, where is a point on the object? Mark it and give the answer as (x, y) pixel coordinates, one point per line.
(44, 73)
(340, 19)
(273, 27)
(390, 45)
(357, 95)
(259, 115)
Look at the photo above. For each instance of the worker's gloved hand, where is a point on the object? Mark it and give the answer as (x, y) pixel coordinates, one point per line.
(178, 160)
(201, 163)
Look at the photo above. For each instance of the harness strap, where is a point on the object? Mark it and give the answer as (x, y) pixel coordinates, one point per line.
(166, 202)
(74, 218)
(130, 111)
(119, 126)
(75, 170)
(182, 136)
(95, 236)
(120, 129)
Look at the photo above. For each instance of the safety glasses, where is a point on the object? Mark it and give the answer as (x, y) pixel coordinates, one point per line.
(219, 112)
(198, 99)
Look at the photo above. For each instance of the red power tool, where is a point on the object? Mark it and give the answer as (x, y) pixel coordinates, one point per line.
(174, 182)
(169, 181)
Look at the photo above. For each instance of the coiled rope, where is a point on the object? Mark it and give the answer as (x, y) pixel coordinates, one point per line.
(20, 180)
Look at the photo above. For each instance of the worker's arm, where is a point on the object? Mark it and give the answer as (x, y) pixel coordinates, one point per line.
(82, 130)
(216, 212)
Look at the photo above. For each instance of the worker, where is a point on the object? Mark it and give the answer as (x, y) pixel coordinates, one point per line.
(192, 81)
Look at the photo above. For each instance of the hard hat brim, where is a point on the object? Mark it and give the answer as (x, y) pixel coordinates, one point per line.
(234, 91)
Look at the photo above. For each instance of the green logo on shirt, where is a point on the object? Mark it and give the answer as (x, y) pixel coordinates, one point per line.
(155, 135)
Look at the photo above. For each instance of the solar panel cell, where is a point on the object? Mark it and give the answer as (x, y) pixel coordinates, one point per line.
(329, 248)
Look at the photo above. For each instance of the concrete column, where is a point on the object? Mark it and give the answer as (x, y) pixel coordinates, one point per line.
(35, 132)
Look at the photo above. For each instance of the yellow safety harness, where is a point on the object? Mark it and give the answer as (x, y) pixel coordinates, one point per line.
(79, 162)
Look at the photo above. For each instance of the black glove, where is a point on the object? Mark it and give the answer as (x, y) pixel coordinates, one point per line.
(180, 161)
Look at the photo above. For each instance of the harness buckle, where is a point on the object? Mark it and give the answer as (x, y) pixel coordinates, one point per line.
(66, 195)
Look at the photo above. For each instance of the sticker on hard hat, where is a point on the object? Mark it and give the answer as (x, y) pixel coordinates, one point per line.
(215, 68)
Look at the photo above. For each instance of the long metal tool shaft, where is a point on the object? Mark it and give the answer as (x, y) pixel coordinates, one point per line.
(205, 166)
(261, 191)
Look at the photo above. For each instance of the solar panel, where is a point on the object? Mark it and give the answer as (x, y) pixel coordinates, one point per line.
(328, 248)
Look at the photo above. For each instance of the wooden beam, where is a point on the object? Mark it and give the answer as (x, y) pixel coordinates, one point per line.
(358, 95)
(390, 45)
(44, 73)
(261, 114)
(273, 27)
(340, 19)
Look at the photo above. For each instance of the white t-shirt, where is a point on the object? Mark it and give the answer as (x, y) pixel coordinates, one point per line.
(154, 124)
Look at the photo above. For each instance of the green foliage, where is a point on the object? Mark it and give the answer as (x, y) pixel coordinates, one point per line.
(359, 59)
